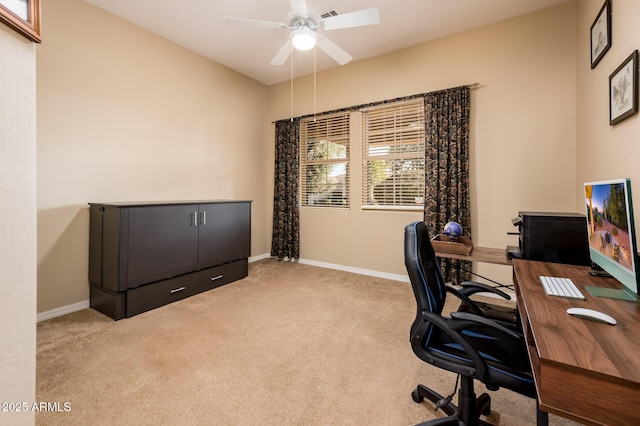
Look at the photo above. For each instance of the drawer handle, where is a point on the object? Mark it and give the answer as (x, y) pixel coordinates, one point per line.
(217, 278)
(175, 290)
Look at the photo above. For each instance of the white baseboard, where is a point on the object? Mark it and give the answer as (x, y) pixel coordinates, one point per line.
(58, 312)
(369, 272)
(259, 257)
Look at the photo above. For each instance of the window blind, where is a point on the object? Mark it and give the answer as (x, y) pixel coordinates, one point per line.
(393, 155)
(324, 154)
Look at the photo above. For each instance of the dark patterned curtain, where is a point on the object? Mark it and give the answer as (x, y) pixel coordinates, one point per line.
(285, 242)
(447, 168)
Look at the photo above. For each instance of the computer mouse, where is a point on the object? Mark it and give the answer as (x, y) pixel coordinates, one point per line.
(592, 315)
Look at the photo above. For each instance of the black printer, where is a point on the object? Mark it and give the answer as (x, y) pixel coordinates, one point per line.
(551, 237)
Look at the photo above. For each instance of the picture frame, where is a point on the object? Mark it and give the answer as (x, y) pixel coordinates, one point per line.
(623, 90)
(23, 16)
(601, 34)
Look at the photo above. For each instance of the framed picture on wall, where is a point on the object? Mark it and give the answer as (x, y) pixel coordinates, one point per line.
(601, 34)
(23, 16)
(623, 90)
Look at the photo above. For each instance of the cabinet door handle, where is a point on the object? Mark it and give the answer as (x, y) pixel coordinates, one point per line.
(217, 278)
(203, 218)
(175, 290)
(194, 219)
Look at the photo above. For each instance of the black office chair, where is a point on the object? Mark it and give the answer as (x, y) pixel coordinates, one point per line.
(470, 345)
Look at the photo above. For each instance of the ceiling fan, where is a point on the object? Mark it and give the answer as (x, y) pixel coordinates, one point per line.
(304, 24)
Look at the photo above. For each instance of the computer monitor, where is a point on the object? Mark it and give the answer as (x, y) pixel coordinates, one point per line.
(611, 234)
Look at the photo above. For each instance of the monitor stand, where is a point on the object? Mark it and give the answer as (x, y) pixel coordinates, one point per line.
(610, 293)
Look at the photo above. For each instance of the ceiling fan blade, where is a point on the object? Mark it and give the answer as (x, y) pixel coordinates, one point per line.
(333, 50)
(299, 8)
(352, 19)
(283, 54)
(255, 23)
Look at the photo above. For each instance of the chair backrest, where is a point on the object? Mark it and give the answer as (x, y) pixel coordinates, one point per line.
(423, 268)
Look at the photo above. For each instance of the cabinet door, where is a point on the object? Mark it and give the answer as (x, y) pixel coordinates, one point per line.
(225, 233)
(163, 242)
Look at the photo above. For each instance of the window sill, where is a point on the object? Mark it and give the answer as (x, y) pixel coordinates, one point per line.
(327, 207)
(394, 208)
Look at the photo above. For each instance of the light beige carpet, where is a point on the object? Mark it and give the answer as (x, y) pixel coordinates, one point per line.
(289, 345)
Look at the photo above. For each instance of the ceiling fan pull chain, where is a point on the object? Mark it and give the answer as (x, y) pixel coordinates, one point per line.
(315, 49)
(292, 87)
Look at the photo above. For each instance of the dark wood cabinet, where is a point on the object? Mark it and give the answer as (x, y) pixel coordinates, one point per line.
(227, 223)
(145, 255)
(162, 242)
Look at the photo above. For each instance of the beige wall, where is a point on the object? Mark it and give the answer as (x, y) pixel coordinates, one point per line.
(604, 151)
(124, 115)
(523, 141)
(17, 223)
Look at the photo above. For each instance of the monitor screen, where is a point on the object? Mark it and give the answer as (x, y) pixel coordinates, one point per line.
(610, 226)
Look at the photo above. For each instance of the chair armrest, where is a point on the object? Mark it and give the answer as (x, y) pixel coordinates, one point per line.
(479, 364)
(466, 316)
(472, 287)
(465, 299)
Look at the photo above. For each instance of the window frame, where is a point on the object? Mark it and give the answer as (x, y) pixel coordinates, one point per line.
(338, 132)
(394, 126)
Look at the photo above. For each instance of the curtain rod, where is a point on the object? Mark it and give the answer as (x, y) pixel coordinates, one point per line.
(356, 107)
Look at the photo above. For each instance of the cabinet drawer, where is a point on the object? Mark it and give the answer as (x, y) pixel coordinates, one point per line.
(160, 293)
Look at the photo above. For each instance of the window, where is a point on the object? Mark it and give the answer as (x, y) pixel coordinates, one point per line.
(393, 155)
(324, 171)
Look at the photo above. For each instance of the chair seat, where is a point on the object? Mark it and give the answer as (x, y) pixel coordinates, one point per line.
(508, 364)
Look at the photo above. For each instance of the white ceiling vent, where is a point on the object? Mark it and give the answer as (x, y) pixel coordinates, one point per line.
(329, 14)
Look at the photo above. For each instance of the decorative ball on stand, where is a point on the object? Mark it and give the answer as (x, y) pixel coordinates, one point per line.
(453, 230)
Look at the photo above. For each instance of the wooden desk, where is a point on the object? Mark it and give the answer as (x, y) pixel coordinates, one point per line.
(480, 254)
(584, 370)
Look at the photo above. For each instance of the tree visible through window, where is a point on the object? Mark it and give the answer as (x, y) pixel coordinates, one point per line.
(325, 161)
(393, 154)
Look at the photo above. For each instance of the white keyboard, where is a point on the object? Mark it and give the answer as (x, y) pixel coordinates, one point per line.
(563, 287)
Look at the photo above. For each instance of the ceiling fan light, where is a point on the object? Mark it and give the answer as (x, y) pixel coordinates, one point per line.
(303, 38)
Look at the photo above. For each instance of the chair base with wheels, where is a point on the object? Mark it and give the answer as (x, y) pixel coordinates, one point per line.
(470, 409)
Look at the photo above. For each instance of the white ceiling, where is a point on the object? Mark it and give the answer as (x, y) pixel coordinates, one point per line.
(198, 25)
